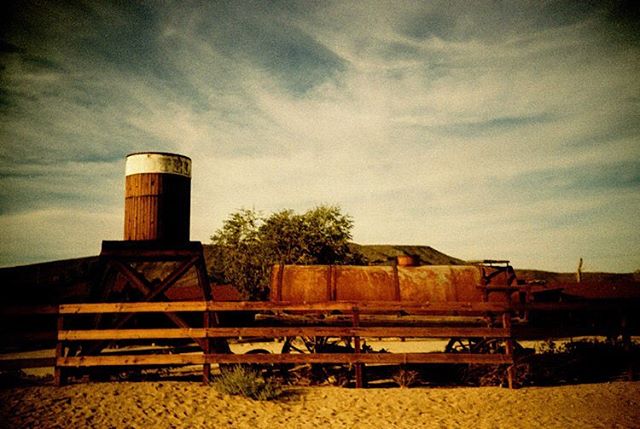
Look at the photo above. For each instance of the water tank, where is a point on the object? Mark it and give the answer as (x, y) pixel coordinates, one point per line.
(157, 197)
(428, 283)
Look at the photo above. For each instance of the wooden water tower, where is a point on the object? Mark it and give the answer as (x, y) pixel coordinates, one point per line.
(157, 197)
(156, 251)
(156, 256)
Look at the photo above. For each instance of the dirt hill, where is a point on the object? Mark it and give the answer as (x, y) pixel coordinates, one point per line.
(383, 253)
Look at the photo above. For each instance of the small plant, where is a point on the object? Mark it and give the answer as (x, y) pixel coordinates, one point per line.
(549, 346)
(406, 378)
(247, 382)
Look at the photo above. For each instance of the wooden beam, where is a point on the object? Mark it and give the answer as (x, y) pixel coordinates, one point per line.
(150, 293)
(317, 358)
(134, 307)
(136, 279)
(159, 290)
(366, 332)
(28, 310)
(342, 306)
(130, 334)
(347, 307)
(125, 360)
(8, 338)
(137, 253)
(10, 364)
(276, 332)
(362, 307)
(368, 358)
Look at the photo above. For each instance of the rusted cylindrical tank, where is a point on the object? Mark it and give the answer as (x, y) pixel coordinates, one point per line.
(157, 197)
(406, 261)
(432, 283)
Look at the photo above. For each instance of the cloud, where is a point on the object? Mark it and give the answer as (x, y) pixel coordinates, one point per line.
(508, 132)
(57, 233)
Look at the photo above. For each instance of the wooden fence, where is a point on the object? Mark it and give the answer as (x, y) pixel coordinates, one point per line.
(66, 334)
(205, 334)
(208, 332)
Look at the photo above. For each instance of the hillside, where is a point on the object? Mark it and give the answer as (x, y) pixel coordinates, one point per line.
(383, 253)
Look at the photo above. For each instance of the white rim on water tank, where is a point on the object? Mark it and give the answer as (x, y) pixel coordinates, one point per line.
(155, 162)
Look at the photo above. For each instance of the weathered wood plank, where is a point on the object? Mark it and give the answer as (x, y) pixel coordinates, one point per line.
(26, 337)
(134, 307)
(275, 332)
(9, 364)
(346, 358)
(347, 307)
(367, 358)
(130, 334)
(378, 332)
(125, 360)
(28, 310)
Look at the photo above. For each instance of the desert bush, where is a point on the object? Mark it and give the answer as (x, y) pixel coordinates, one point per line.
(406, 377)
(249, 244)
(581, 361)
(247, 382)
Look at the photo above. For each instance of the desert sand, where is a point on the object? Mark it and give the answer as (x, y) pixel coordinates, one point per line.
(190, 404)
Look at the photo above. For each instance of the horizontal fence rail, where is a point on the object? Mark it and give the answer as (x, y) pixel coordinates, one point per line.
(317, 320)
(277, 332)
(371, 307)
(352, 310)
(314, 358)
(20, 363)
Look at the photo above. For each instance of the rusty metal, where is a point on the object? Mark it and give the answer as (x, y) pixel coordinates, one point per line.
(434, 283)
(407, 261)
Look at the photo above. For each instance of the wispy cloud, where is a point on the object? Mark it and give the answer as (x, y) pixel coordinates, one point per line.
(484, 131)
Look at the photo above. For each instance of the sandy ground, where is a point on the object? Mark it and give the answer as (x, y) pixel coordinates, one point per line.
(185, 404)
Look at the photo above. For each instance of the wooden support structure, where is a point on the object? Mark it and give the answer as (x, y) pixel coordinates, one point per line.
(122, 260)
(208, 332)
(356, 321)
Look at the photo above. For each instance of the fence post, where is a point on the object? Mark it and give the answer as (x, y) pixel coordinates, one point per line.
(356, 342)
(58, 372)
(206, 367)
(506, 324)
(627, 345)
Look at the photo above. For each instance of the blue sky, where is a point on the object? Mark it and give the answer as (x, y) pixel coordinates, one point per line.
(483, 129)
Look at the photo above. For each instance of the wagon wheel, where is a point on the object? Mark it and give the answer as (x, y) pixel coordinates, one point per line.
(479, 345)
(478, 374)
(265, 369)
(461, 345)
(334, 374)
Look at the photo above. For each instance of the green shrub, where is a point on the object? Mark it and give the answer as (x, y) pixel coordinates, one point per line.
(249, 244)
(247, 382)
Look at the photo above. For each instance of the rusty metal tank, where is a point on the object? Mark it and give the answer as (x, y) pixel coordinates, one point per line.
(157, 197)
(416, 284)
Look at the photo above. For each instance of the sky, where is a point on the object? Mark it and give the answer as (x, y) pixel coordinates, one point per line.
(485, 129)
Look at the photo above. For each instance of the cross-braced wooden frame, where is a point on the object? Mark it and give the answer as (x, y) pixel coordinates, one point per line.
(118, 259)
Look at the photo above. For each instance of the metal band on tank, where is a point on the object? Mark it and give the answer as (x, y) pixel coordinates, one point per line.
(140, 163)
